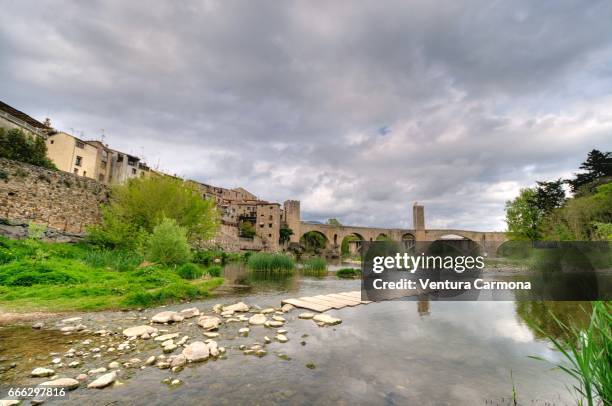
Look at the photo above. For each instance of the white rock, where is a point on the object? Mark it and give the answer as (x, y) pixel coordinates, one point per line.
(218, 308)
(103, 381)
(6, 402)
(244, 331)
(209, 322)
(74, 364)
(238, 307)
(326, 319)
(211, 334)
(274, 323)
(190, 312)
(56, 360)
(268, 310)
(267, 340)
(166, 337)
(170, 348)
(167, 317)
(150, 360)
(40, 372)
(306, 315)
(257, 319)
(97, 371)
(178, 361)
(114, 365)
(282, 338)
(278, 318)
(72, 320)
(175, 382)
(38, 326)
(213, 348)
(138, 331)
(81, 377)
(227, 313)
(66, 383)
(196, 351)
(287, 307)
(184, 339)
(167, 343)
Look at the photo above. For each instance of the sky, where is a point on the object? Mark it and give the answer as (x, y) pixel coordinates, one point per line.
(355, 108)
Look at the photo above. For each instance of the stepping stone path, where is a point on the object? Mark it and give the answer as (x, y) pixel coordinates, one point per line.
(323, 303)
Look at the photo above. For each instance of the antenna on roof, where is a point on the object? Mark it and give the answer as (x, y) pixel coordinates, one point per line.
(102, 136)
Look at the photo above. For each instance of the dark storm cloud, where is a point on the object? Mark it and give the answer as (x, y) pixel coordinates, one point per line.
(355, 108)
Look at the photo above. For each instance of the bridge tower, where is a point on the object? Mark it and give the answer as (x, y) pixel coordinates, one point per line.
(418, 221)
(291, 210)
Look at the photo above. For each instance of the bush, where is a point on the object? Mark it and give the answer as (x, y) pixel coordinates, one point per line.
(190, 271)
(263, 261)
(168, 244)
(214, 271)
(347, 273)
(16, 145)
(140, 204)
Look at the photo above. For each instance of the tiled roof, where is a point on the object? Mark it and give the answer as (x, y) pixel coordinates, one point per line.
(21, 115)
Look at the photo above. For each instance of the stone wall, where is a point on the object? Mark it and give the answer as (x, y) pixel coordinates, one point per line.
(62, 201)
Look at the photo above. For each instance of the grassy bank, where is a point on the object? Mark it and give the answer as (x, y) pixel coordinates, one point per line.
(38, 276)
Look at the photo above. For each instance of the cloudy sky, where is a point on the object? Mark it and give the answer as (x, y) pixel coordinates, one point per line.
(356, 108)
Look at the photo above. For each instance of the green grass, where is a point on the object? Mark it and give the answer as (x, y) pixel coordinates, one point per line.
(588, 358)
(41, 276)
(266, 262)
(348, 273)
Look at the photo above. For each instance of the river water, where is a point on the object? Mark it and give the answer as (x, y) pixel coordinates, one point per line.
(395, 352)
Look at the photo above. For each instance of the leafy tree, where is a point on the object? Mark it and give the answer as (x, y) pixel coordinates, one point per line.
(136, 207)
(285, 234)
(247, 230)
(16, 145)
(549, 196)
(333, 222)
(597, 165)
(523, 217)
(168, 244)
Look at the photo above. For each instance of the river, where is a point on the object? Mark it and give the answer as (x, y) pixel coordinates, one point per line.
(394, 352)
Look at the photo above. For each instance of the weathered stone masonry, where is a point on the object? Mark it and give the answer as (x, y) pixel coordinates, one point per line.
(57, 199)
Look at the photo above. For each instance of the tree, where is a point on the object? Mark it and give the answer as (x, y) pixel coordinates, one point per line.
(285, 234)
(523, 217)
(135, 208)
(597, 165)
(333, 222)
(549, 196)
(168, 244)
(16, 145)
(247, 230)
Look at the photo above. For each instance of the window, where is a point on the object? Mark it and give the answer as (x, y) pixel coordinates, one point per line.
(133, 171)
(76, 171)
(52, 141)
(80, 144)
(269, 225)
(79, 161)
(270, 218)
(270, 235)
(119, 158)
(100, 177)
(84, 173)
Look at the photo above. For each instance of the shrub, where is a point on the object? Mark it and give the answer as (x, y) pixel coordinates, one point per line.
(190, 271)
(36, 231)
(168, 244)
(214, 271)
(263, 261)
(347, 273)
(140, 204)
(16, 145)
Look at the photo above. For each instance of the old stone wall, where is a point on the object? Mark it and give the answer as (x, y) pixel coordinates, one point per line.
(62, 201)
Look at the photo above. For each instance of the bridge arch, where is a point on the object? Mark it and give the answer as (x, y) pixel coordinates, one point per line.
(408, 237)
(383, 237)
(350, 244)
(314, 241)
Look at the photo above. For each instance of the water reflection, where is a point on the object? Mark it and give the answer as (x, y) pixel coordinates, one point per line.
(540, 317)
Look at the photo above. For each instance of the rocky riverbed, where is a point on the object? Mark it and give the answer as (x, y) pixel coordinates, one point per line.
(87, 353)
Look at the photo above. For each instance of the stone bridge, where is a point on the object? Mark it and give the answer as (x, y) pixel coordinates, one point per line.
(335, 234)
